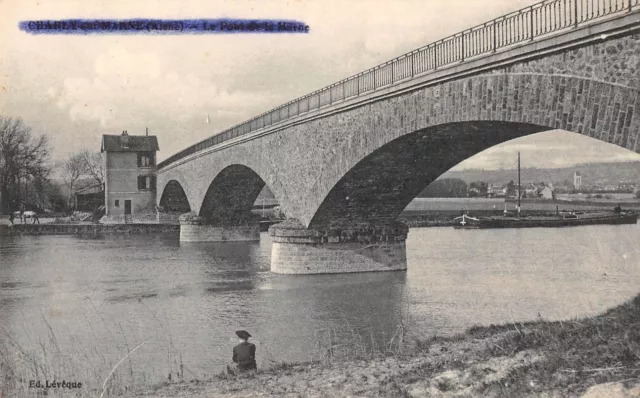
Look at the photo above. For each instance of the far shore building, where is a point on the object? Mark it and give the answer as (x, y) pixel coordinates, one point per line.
(130, 177)
(496, 191)
(577, 180)
(545, 192)
(531, 191)
(539, 190)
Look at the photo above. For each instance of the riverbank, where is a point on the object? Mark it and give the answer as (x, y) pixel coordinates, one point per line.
(592, 357)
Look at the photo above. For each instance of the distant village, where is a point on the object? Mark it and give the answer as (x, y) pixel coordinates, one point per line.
(456, 187)
(549, 190)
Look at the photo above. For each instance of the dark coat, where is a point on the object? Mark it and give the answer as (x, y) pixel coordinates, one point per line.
(244, 354)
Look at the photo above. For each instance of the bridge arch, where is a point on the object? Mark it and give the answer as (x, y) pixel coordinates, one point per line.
(382, 184)
(402, 144)
(174, 199)
(231, 195)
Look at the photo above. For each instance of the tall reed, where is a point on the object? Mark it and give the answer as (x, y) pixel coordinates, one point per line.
(59, 355)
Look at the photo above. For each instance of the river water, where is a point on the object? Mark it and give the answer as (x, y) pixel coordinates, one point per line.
(79, 305)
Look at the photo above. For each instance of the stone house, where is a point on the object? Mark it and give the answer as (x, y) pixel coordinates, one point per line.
(130, 176)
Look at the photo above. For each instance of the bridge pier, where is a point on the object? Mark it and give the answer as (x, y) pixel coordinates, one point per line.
(356, 248)
(198, 229)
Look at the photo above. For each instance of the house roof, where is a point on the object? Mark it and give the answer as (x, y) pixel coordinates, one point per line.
(95, 188)
(129, 143)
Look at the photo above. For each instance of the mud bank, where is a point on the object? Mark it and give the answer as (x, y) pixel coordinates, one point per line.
(592, 357)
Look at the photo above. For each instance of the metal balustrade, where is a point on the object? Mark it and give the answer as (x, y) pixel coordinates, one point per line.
(518, 27)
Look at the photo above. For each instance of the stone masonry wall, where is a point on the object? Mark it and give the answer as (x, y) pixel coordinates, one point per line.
(622, 65)
(140, 218)
(357, 248)
(211, 233)
(326, 258)
(88, 229)
(168, 218)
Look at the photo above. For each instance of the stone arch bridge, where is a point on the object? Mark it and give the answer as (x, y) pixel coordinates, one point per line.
(343, 162)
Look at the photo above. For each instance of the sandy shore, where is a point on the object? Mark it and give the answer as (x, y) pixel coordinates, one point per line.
(593, 357)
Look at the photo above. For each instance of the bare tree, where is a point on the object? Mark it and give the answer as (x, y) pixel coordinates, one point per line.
(93, 165)
(72, 169)
(22, 157)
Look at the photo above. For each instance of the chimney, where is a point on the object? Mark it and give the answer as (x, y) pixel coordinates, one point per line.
(125, 139)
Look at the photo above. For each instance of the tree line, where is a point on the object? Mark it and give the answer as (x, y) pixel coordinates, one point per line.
(457, 188)
(27, 170)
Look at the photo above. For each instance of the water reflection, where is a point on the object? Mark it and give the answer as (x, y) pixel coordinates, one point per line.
(293, 310)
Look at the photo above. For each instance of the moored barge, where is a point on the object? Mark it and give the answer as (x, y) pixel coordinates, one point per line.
(561, 220)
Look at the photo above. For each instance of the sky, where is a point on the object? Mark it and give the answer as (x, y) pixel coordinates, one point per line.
(76, 88)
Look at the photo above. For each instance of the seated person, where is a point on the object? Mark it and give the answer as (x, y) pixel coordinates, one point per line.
(244, 354)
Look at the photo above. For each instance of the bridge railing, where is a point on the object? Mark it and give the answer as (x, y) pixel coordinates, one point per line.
(527, 24)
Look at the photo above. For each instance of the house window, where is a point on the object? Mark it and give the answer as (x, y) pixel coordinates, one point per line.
(117, 203)
(146, 159)
(146, 182)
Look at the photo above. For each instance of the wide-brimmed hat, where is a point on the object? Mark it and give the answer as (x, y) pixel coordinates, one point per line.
(243, 334)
